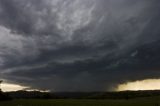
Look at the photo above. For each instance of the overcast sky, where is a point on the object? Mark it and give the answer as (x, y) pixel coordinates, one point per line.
(79, 45)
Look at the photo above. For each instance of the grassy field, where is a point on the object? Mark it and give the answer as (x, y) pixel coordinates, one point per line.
(70, 102)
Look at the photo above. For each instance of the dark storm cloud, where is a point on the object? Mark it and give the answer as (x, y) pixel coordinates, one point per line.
(24, 16)
(79, 45)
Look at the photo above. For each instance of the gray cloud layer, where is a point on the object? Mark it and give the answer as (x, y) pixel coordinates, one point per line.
(79, 45)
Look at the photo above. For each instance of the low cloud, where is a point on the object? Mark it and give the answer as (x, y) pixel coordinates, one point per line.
(78, 45)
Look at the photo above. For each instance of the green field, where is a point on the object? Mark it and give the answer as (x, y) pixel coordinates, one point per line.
(71, 102)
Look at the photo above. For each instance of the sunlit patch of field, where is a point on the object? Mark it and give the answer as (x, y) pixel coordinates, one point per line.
(70, 102)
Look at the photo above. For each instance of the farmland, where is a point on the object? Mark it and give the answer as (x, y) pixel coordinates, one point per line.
(152, 101)
(126, 98)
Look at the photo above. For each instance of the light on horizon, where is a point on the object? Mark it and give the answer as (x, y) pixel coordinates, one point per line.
(6, 87)
(148, 84)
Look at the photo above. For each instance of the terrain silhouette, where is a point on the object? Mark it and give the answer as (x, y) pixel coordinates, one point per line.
(80, 95)
(4, 96)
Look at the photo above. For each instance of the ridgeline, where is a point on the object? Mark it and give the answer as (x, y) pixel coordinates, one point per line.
(78, 95)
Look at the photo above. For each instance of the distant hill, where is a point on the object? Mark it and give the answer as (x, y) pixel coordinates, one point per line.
(30, 95)
(82, 95)
(4, 96)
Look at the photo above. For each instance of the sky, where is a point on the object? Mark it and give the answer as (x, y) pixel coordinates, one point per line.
(79, 45)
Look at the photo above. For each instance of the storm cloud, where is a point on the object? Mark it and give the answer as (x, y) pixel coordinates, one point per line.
(79, 45)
